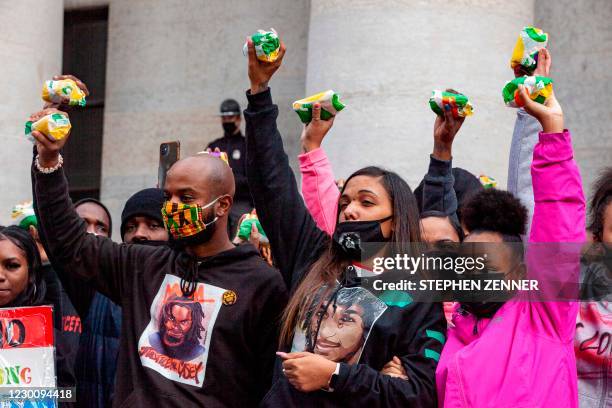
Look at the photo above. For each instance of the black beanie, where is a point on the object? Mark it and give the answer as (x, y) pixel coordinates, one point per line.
(93, 200)
(145, 203)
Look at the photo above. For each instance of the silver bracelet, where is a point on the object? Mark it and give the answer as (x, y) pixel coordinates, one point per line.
(49, 170)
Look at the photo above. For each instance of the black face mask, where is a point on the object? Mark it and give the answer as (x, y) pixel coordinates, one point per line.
(358, 240)
(229, 127)
(485, 303)
(482, 310)
(149, 242)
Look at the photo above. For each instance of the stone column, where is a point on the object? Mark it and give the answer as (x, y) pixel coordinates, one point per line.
(170, 64)
(385, 58)
(31, 37)
(581, 48)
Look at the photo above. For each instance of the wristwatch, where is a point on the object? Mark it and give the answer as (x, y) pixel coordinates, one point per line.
(331, 384)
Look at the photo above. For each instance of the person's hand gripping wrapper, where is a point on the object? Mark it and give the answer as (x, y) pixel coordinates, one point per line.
(459, 103)
(244, 231)
(267, 45)
(330, 106)
(63, 91)
(487, 182)
(54, 125)
(539, 89)
(525, 55)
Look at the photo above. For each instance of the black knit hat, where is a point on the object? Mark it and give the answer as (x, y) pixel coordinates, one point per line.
(93, 200)
(145, 203)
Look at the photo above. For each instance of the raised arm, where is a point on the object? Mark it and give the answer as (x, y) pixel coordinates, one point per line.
(438, 184)
(524, 139)
(319, 187)
(558, 226)
(95, 259)
(293, 234)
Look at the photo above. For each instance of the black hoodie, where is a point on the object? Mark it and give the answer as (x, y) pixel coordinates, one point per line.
(222, 339)
(414, 332)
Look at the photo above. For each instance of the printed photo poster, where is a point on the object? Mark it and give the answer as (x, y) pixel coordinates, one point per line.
(27, 353)
(176, 341)
(340, 328)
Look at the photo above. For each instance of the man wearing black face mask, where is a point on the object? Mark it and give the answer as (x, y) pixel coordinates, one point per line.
(234, 144)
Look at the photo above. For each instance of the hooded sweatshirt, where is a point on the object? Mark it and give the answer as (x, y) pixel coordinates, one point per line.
(413, 332)
(215, 348)
(523, 355)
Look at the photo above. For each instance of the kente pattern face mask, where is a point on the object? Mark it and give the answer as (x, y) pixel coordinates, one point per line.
(185, 220)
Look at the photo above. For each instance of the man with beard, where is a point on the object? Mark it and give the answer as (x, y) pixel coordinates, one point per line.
(199, 195)
(180, 329)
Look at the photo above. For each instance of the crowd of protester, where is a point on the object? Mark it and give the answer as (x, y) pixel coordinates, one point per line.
(181, 313)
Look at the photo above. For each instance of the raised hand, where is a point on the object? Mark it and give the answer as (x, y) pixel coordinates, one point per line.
(48, 148)
(542, 69)
(66, 100)
(549, 114)
(260, 72)
(315, 131)
(445, 129)
(544, 63)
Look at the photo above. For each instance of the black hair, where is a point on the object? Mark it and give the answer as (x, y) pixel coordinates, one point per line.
(197, 329)
(35, 291)
(347, 297)
(495, 211)
(499, 211)
(600, 200)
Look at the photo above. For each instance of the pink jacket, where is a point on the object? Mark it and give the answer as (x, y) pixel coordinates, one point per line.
(319, 189)
(523, 356)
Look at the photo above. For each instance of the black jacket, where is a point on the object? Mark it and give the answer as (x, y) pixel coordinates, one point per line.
(229, 326)
(296, 243)
(67, 329)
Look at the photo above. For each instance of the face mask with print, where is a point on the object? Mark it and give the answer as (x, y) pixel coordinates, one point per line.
(187, 222)
(360, 239)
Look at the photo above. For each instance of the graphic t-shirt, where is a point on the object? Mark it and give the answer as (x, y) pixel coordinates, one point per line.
(338, 327)
(177, 339)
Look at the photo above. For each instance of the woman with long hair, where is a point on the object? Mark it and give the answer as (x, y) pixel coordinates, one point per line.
(337, 334)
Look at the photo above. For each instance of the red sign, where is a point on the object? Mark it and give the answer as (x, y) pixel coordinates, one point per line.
(26, 327)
